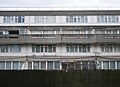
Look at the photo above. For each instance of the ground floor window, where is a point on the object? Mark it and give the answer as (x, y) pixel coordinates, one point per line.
(110, 65)
(78, 65)
(11, 65)
(44, 65)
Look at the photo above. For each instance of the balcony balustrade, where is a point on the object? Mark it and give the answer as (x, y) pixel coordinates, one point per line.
(59, 38)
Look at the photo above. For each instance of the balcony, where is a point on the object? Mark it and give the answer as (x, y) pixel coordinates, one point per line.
(60, 38)
(29, 39)
(107, 38)
(78, 38)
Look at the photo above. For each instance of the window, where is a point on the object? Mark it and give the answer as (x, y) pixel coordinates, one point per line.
(22, 31)
(67, 19)
(79, 19)
(33, 49)
(37, 48)
(102, 32)
(92, 65)
(107, 19)
(115, 32)
(76, 48)
(15, 65)
(76, 19)
(71, 19)
(110, 48)
(102, 19)
(21, 64)
(98, 19)
(106, 48)
(108, 32)
(43, 65)
(105, 64)
(118, 64)
(8, 65)
(15, 49)
(2, 65)
(117, 19)
(112, 64)
(13, 19)
(50, 65)
(45, 19)
(68, 49)
(82, 19)
(44, 48)
(57, 65)
(113, 19)
(30, 65)
(4, 49)
(36, 65)
(84, 64)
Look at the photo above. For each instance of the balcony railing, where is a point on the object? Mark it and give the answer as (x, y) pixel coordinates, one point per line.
(59, 38)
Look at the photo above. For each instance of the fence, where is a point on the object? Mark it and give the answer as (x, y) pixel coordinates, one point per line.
(81, 78)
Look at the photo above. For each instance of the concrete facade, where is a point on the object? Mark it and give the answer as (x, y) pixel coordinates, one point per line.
(58, 39)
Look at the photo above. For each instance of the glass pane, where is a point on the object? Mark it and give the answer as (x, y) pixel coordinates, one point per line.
(41, 49)
(67, 49)
(54, 49)
(2, 49)
(43, 65)
(19, 49)
(76, 49)
(105, 65)
(112, 64)
(80, 49)
(8, 65)
(19, 19)
(92, 65)
(36, 65)
(37, 48)
(50, 65)
(84, 64)
(50, 48)
(84, 48)
(72, 48)
(21, 64)
(2, 65)
(15, 65)
(29, 65)
(57, 65)
(118, 65)
(33, 49)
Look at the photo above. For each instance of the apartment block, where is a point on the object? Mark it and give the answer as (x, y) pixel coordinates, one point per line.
(59, 38)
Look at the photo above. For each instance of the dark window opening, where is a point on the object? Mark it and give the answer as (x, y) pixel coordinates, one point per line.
(13, 32)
